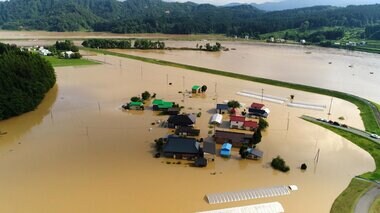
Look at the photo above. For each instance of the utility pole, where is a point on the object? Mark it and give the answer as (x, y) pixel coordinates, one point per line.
(287, 126)
(216, 93)
(141, 72)
(330, 106)
(262, 95)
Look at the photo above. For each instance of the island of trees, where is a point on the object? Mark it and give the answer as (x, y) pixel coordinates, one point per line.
(25, 78)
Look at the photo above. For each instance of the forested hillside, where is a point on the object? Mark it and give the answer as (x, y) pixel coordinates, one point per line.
(150, 16)
(24, 79)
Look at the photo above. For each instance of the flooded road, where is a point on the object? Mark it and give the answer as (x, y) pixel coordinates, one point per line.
(78, 152)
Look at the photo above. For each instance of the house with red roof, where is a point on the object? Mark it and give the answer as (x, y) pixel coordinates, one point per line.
(250, 125)
(236, 122)
(257, 106)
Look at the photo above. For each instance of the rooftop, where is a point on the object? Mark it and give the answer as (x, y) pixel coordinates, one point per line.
(181, 145)
(222, 106)
(257, 105)
(196, 87)
(252, 124)
(237, 118)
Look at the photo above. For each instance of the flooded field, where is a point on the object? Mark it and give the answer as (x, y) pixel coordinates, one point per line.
(352, 72)
(78, 152)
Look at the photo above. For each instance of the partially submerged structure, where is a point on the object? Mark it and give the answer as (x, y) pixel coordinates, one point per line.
(216, 119)
(181, 120)
(187, 131)
(236, 122)
(250, 125)
(235, 138)
(161, 105)
(196, 89)
(222, 108)
(181, 148)
(254, 154)
(259, 112)
(226, 150)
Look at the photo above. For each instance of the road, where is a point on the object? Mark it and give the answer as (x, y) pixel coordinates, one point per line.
(349, 129)
(365, 202)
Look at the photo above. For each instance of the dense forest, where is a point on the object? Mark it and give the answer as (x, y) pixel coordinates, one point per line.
(24, 80)
(151, 16)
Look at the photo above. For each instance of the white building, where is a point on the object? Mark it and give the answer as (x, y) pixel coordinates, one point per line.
(216, 119)
(237, 122)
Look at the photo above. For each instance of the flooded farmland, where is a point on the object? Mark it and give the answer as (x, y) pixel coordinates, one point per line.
(78, 152)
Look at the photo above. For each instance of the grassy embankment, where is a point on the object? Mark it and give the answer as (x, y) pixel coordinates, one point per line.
(367, 115)
(58, 62)
(375, 207)
(350, 196)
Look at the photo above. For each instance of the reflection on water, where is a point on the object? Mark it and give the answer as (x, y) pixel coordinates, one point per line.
(92, 157)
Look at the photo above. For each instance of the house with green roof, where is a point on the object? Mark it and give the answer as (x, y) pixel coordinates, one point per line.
(196, 89)
(136, 105)
(161, 105)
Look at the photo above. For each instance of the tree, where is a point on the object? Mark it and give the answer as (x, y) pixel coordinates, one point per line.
(243, 150)
(291, 98)
(263, 124)
(256, 138)
(204, 88)
(233, 104)
(145, 95)
(135, 99)
(279, 164)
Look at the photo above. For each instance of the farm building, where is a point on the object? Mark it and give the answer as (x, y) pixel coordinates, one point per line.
(250, 125)
(187, 131)
(181, 120)
(222, 108)
(235, 138)
(181, 148)
(161, 105)
(236, 122)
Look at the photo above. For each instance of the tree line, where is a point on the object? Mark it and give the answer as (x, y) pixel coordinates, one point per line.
(25, 79)
(123, 44)
(156, 16)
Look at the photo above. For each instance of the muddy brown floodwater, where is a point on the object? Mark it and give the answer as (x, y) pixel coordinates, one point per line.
(78, 152)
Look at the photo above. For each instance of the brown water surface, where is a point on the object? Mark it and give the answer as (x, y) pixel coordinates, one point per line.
(78, 152)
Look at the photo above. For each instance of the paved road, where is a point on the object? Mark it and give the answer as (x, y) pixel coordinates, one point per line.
(367, 199)
(349, 129)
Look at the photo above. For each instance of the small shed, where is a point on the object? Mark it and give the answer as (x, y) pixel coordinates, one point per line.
(173, 111)
(236, 122)
(196, 89)
(222, 108)
(209, 147)
(216, 119)
(259, 112)
(226, 150)
(161, 105)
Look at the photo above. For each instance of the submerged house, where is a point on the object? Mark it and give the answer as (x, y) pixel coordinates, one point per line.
(161, 105)
(216, 119)
(181, 148)
(250, 125)
(187, 131)
(257, 105)
(258, 112)
(254, 154)
(196, 89)
(136, 105)
(236, 122)
(173, 111)
(222, 108)
(226, 150)
(181, 120)
(235, 138)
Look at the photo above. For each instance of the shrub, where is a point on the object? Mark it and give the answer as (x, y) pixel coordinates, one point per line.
(135, 99)
(263, 124)
(145, 95)
(279, 164)
(233, 104)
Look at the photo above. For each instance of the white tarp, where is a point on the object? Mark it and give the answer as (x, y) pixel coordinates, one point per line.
(216, 119)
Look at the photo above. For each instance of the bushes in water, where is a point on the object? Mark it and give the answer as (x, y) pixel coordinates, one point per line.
(279, 164)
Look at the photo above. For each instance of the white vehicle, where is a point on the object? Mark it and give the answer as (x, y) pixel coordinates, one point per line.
(374, 136)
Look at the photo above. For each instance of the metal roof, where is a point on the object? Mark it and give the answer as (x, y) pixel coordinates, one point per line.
(181, 145)
(222, 106)
(216, 119)
(248, 194)
(209, 147)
